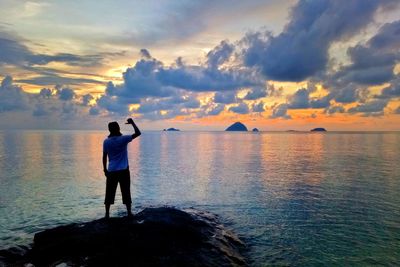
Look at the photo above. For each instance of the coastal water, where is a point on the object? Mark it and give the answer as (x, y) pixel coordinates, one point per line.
(304, 199)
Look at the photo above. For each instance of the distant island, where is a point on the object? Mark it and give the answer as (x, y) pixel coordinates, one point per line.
(318, 130)
(171, 130)
(237, 126)
(255, 130)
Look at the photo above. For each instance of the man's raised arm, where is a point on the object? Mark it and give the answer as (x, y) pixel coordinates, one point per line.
(137, 131)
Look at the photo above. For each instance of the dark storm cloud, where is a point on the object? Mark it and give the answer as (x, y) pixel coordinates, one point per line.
(301, 50)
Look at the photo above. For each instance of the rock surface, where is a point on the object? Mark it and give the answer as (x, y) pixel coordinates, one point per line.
(237, 126)
(154, 237)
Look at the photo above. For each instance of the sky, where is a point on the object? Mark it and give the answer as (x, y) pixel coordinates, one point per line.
(200, 65)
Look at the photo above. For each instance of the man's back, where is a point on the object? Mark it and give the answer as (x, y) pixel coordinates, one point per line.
(117, 151)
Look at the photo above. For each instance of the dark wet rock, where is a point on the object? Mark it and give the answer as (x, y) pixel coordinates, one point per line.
(153, 237)
(318, 130)
(255, 130)
(237, 126)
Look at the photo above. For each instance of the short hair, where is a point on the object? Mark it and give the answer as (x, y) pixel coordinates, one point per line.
(114, 129)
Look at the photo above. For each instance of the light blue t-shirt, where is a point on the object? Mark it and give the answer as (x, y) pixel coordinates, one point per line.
(117, 149)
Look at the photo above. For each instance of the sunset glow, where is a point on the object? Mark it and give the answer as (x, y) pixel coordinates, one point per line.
(197, 65)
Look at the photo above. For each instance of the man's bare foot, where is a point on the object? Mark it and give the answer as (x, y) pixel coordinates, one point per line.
(107, 216)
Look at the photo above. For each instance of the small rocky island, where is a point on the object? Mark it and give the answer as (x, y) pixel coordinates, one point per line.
(318, 130)
(255, 130)
(171, 130)
(161, 236)
(237, 126)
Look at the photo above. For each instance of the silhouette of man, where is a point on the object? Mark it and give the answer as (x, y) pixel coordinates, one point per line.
(115, 147)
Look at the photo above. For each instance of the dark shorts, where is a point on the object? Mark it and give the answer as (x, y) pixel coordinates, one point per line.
(124, 179)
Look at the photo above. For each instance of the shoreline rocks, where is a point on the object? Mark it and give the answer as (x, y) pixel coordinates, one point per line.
(162, 236)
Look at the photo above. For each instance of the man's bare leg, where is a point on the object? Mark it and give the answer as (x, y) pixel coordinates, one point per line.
(128, 209)
(107, 211)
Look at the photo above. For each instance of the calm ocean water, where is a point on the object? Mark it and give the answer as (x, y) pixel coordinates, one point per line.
(294, 198)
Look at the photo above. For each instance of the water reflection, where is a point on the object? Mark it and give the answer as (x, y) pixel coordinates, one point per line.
(297, 199)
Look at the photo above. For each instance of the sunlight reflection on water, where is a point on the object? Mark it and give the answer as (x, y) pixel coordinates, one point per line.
(295, 198)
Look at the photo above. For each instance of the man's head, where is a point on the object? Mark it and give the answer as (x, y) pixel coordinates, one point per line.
(113, 127)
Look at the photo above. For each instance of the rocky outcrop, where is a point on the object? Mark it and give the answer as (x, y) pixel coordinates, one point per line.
(172, 130)
(255, 130)
(237, 126)
(154, 237)
(318, 130)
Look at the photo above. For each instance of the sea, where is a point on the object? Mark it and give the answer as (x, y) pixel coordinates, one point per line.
(294, 198)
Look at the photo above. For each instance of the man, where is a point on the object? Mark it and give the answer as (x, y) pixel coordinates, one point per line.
(115, 147)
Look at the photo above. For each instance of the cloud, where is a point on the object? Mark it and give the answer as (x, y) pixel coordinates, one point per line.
(215, 109)
(334, 109)
(225, 97)
(219, 55)
(256, 93)
(299, 100)
(94, 111)
(46, 93)
(65, 94)
(86, 99)
(373, 62)
(113, 105)
(13, 51)
(40, 111)
(258, 107)
(280, 111)
(391, 91)
(347, 94)
(301, 50)
(12, 97)
(241, 108)
(322, 102)
(151, 78)
(373, 106)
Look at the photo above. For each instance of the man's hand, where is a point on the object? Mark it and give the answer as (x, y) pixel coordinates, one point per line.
(129, 121)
